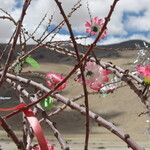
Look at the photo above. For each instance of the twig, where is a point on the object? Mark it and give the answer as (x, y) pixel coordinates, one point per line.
(115, 69)
(126, 77)
(8, 18)
(29, 137)
(78, 65)
(24, 124)
(11, 134)
(57, 134)
(125, 137)
(82, 72)
(35, 30)
(17, 32)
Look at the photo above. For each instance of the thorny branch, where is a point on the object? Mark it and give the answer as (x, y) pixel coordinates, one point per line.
(40, 41)
(17, 32)
(76, 66)
(82, 72)
(21, 90)
(11, 133)
(125, 137)
(19, 83)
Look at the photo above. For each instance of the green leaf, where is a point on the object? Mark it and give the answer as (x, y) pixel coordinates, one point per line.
(18, 68)
(32, 62)
(47, 103)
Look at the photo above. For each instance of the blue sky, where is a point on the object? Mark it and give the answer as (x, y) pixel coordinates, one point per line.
(18, 4)
(129, 21)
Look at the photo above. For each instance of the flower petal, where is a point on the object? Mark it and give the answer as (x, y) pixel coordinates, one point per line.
(100, 22)
(95, 86)
(95, 20)
(88, 24)
(88, 30)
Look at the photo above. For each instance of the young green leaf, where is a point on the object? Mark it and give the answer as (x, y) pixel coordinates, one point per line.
(47, 103)
(32, 62)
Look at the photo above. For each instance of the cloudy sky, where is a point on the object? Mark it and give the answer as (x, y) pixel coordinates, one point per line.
(131, 19)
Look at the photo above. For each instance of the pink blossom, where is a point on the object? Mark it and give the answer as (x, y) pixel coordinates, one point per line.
(94, 26)
(144, 70)
(95, 75)
(53, 79)
(96, 86)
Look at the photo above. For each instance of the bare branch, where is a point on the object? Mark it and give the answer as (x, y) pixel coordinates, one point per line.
(125, 137)
(57, 134)
(11, 134)
(82, 72)
(17, 32)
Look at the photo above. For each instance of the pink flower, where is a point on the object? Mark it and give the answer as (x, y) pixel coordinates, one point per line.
(95, 75)
(96, 86)
(94, 26)
(145, 71)
(53, 79)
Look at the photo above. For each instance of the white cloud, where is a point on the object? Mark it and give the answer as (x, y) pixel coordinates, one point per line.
(7, 5)
(6, 30)
(117, 26)
(140, 23)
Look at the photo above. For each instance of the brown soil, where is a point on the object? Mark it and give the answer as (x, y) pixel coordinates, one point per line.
(122, 108)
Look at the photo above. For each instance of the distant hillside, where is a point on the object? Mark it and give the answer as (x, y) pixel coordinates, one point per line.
(127, 44)
(46, 55)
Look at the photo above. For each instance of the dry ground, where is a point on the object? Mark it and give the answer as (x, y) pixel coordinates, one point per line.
(122, 108)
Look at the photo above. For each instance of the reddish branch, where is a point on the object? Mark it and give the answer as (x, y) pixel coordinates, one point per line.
(125, 137)
(17, 32)
(63, 107)
(111, 127)
(121, 74)
(8, 18)
(76, 66)
(59, 26)
(39, 41)
(127, 77)
(82, 72)
(124, 75)
(24, 122)
(11, 134)
(57, 134)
